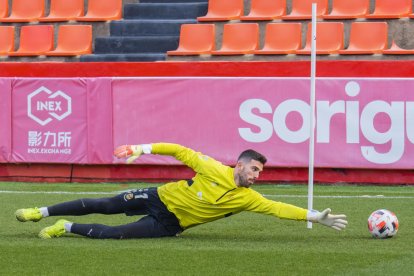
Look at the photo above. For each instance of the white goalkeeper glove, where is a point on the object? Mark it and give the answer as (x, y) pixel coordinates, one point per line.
(337, 222)
(131, 151)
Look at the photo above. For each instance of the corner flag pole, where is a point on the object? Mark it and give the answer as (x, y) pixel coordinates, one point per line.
(312, 113)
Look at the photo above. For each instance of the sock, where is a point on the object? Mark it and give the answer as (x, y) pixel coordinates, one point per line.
(44, 211)
(68, 227)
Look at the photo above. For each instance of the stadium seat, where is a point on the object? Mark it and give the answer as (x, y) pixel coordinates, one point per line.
(266, 10)
(73, 40)
(195, 39)
(6, 40)
(25, 11)
(330, 38)
(396, 50)
(102, 10)
(219, 10)
(367, 38)
(348, 9)
(391, 9)
(35, 40)
(302, 9)
(239, 39)
(4, 8)
(64, 10)
(281, 39)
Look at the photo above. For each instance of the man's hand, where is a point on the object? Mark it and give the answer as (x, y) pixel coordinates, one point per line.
(130, 151)
(337, 222)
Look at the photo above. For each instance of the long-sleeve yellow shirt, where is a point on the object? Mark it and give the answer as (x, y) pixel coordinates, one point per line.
(212, 193)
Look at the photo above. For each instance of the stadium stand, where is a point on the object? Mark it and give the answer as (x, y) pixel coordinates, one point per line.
(391, 9)
(281, 39)
(73, 40)
(239, 39)
(63, 10)
(348, 9)
(35, 40)
(266, 10)
(25, 11)
(195, 39)
(149, 30)
(219, 10)
(6, 40)
(330, 38)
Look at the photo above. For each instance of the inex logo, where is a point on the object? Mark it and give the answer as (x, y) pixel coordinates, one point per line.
(43, 105)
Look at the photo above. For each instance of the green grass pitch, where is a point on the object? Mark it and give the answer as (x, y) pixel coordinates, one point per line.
(244, 244)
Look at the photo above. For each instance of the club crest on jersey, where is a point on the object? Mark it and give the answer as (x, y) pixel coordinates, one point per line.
(128, 196)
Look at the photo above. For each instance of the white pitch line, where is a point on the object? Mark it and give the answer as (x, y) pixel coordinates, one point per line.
(265, 195)
(334, 196)
(58, 192)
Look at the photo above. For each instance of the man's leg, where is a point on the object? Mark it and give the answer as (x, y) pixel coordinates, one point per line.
(146, 227)
(79, 207)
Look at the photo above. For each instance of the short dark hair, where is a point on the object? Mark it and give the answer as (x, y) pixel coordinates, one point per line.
(250, 154)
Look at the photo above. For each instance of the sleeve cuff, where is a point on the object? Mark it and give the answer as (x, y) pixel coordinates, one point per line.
(147, 148)
(312, 215)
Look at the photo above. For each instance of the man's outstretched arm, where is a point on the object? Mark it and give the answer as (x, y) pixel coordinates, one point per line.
(289, 211)
(195, 160)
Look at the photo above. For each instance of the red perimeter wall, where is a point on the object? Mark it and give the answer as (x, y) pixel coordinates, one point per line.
(84, 173)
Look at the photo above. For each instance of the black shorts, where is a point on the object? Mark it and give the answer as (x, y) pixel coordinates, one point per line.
(147, 202)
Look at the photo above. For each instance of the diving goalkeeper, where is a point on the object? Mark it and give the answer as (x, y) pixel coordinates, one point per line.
(216, 191)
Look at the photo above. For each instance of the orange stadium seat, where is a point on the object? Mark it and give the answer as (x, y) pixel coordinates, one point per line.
(35, 40)
(219, 10)
(64, 10)
(25, 11)
(391, 9)
(266, 10)
(396, 50)
(73, 40)
(367, 38)
(348, 9)
(302, 9)
(102, 10)
(4, 8)
(330, 38)
(195, 39)
(6, 40)
(281, 39)
(239, 39)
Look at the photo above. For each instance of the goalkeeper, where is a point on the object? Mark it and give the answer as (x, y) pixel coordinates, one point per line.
(216, 191)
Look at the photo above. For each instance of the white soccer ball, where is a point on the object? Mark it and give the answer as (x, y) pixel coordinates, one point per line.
(383, 224)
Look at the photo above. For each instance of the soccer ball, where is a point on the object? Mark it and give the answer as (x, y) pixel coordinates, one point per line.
(383, 224)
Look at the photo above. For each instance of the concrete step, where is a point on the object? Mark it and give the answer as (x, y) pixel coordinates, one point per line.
(139, 44)
(164, 10)
(123, 57)
(147, 27)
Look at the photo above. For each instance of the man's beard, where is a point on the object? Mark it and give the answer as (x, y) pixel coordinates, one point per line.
(243, 182)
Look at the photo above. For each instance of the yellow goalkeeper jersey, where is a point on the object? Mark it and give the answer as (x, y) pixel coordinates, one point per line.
(212, 193)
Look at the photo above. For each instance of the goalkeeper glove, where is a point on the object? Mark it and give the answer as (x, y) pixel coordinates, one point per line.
(130, 151)
(337, 222)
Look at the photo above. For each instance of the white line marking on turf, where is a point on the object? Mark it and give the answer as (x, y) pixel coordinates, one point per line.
(335, 196)
(58, 192)
(265, 195)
